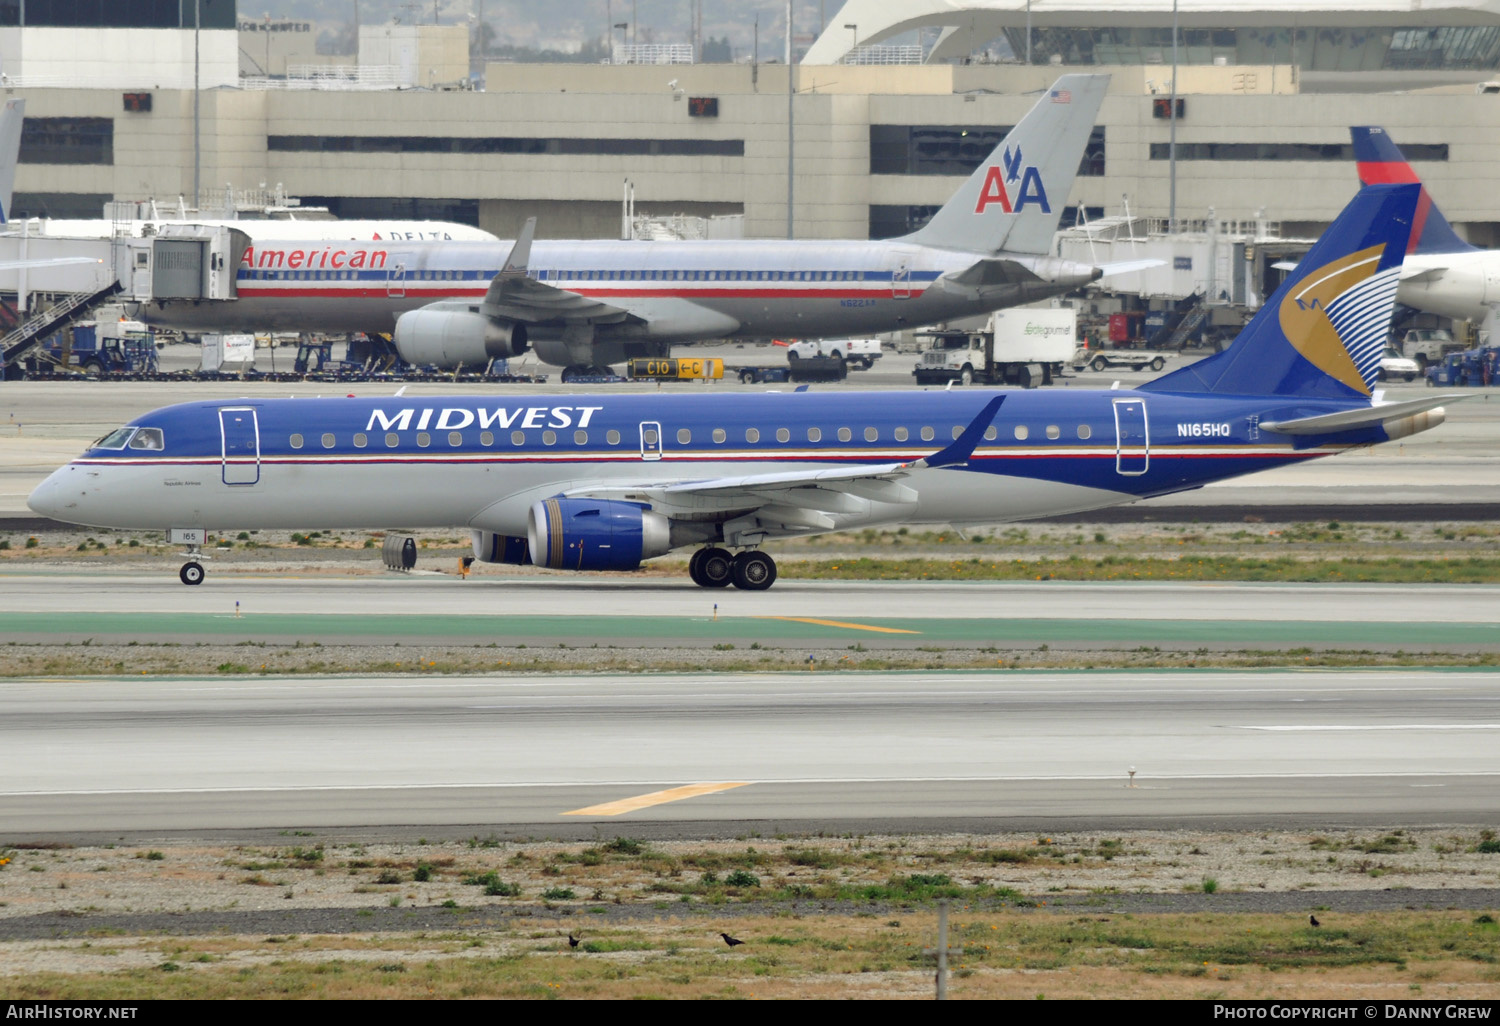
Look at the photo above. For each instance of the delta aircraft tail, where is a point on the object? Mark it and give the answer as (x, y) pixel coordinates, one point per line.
(1321, 334)
(1014, 200)
(1381, 162)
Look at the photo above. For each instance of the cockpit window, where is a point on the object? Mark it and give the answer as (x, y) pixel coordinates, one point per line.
(147, 438)
(115, 439)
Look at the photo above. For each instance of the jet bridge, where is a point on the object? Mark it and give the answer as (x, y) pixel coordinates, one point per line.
(181, 261)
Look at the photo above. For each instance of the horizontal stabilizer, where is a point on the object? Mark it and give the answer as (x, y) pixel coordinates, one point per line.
(1366, 416)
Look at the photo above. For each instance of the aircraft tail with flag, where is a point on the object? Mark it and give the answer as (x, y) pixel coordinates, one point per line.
(1381, 162)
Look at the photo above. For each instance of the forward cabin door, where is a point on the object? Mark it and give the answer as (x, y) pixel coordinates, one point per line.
(650, 440)
(240, 434)
(1132, 441)
(395, 282)
(901, 277)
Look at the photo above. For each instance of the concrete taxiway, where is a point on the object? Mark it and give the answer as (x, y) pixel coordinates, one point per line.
(855, 751)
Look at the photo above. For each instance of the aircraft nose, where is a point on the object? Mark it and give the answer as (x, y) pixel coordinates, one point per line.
(50, 497)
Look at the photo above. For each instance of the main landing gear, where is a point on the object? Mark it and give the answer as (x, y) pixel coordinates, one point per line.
(751, 570)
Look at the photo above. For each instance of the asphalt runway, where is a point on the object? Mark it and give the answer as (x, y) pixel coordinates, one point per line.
(559, 755)
(430, 608)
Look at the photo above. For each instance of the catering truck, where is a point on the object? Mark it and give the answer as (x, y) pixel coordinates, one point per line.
(1019, 346)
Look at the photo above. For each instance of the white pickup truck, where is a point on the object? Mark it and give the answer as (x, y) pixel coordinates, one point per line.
(856, 353)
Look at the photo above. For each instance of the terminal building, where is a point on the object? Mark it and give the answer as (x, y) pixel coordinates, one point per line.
(1268, 91)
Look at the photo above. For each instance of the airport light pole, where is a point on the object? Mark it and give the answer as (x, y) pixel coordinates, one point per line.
(197, 140)
(790, 124)
(853, 43)
(1172, 134)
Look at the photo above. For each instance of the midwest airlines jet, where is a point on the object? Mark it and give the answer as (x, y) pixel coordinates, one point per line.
(579, 304)
(601, 482)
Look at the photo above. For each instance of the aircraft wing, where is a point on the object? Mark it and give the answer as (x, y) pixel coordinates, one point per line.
(514, 296)
(797, 501)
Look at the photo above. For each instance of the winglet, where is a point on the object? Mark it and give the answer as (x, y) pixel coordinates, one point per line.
(520, 253)
(964, 445)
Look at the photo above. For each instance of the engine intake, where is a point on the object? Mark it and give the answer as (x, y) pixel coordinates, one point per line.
(587, 534)
(499, 548)
(452, 338)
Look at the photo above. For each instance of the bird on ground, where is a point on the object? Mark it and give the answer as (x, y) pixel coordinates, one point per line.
(572, 941)
(731, 941)
(1312, 920)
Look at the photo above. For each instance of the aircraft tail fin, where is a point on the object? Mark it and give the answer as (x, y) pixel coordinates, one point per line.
(11, 117)
(1322, 332)
(1380, 162)
(1014, 200)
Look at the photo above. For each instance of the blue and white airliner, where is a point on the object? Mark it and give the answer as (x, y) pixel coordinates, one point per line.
(586, 303)
(602, 482)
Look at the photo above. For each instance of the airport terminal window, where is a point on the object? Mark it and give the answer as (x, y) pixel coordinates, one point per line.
(580, 438)
(455, 438)
(212, 14)
(549, 437)
(684, 436)
(1084, 431)
(814, 435)
(1053, 431)
(901, 434)
(953, 149)
(752, 434)
(1022, 431)
(361, 440)
(518, 438)
(871, 434)
(147, 438)
(1322, 152)
(928, 434)
(296, 441)
(391, 440)
(719, 435)
(67, 141)
(423, 439)
(845, 434)
(612, 436)
(486, 438)
(497, 144)
(327, 440)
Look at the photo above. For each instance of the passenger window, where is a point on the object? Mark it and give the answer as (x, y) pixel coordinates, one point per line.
(1084, 431)
(361, 440)
(957, 430)
(684, 436)
(391, 440)
(549, 437)
(845, 434)
(901, 434)
(455, 438)
(327, 440)
(1022, 431)
(783, 435)
(719, 435)
(991, 433)
(486, 438)
(580, 438)
(752, 434)
(423, 439)
(649, 436)
(147, 438)
(612, 436)
(871, 434)
(814, 435)
(927, 434)
(1053, 431)
(518, 438)
(296, 441)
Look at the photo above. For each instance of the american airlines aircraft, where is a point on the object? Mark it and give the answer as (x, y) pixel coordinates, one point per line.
(601, 482)
(580, 304)
(1443, 274)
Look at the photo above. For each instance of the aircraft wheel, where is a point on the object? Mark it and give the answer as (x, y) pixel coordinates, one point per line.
(754, 571)
(191, 573)
(715, 568)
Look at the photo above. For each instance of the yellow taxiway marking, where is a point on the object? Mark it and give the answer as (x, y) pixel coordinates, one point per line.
(645, 801)
(841, 623)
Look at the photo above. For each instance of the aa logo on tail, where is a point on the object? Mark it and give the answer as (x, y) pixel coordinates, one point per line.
(1026, 180)
(1338, 314)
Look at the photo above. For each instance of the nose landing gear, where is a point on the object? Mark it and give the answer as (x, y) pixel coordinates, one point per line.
(751, 570)
(192, 572)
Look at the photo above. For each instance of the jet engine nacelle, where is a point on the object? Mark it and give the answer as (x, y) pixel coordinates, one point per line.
(451, 338)
(587, 534)
(500, 548)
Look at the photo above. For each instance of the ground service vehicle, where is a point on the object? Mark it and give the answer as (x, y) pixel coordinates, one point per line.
(1025, 347)
(1428, 346)
(858, 353)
